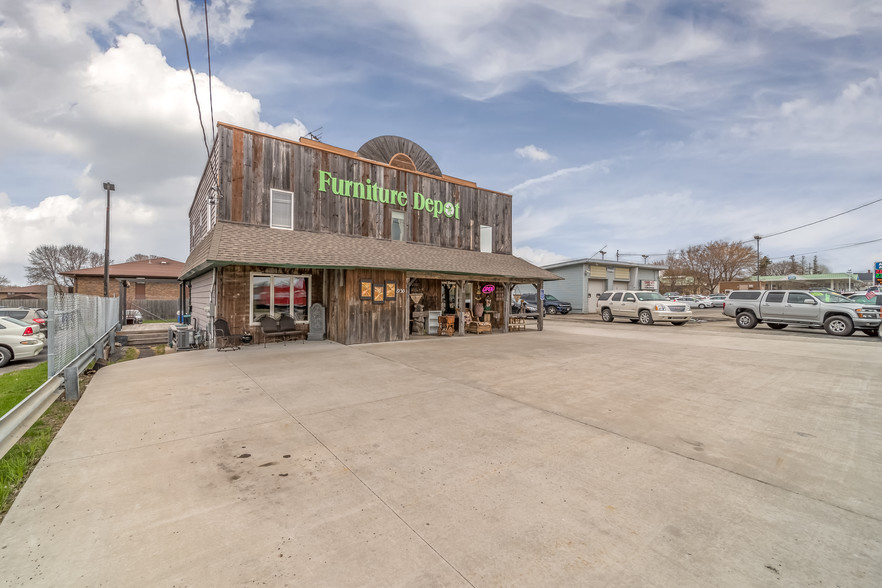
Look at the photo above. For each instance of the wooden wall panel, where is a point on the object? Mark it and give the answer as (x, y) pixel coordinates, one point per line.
(253, 164)
(367, 322)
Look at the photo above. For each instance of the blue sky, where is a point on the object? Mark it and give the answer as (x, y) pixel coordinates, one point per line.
(639, 126)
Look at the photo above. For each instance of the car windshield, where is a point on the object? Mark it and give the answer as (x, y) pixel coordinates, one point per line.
(649, 296)
(831, 297)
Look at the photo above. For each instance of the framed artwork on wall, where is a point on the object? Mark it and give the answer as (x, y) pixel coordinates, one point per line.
(379, 294)
(366, 289)
(390, 290)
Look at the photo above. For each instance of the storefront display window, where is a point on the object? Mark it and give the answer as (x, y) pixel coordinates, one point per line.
(276, 294)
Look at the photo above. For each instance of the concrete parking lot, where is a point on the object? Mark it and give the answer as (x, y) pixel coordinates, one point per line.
(588, 454)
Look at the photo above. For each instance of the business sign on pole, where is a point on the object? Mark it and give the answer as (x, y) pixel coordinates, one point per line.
(879, 272)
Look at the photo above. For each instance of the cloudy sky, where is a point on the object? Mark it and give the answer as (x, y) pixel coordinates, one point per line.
(635, 126)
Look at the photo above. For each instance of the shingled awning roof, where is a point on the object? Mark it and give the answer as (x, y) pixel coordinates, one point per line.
(235, 243)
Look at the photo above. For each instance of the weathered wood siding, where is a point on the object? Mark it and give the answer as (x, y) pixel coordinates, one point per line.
(363, 320)
(253, 164)
(234, 292)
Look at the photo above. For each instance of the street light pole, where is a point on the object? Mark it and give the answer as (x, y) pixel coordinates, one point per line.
(110, 188)
(757, 237)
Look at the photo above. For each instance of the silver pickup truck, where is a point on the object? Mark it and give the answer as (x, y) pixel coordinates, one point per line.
(807, 308)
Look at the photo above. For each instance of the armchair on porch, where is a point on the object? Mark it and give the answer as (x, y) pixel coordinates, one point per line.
(223, 338)
(473, 325)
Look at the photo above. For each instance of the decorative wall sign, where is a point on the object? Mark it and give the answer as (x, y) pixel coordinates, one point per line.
(365, 289)
(379, 294)
(390, 290)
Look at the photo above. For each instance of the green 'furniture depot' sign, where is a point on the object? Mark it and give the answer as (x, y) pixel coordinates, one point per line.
(367, 190)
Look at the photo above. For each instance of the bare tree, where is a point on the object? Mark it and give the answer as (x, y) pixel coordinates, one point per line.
(141, 257)
(709, 264)
(4, 281)
(47, 262)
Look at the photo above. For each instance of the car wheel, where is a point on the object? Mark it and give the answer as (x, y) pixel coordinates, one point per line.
(777, 326)
(645, 317)
(679, 323)
(551, 309)
(701, 306)
(871, 332)
(746, 320)
(5, 356)
(606, 315)
(840, 326)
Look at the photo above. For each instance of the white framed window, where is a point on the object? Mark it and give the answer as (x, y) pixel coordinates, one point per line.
(281, 209)
(274, 294)
(486, 239)
(397, 225)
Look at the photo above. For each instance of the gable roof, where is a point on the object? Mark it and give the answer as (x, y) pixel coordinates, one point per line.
(156, 268)
(236, 243)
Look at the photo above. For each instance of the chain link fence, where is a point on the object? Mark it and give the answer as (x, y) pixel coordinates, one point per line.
(76, 322)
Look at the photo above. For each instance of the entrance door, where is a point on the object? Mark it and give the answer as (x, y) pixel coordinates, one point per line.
(595, 289)
(140, 291)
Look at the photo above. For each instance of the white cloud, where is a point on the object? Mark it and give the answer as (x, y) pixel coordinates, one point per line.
(544, 185)
(539, 257)
(849, 124)
(533, 153)
(831, 18)
(123, 114)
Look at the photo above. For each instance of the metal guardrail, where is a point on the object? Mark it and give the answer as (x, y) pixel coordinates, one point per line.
(23, 415)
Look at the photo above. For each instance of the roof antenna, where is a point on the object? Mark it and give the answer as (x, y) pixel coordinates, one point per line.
(315, 135)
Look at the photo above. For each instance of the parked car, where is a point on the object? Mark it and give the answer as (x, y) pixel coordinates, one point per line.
(133, 317)
(552, 304)
(642, 307)
(38, 316)
(528, 307)
(838, 315)
(718, 300)
(870, 297)
(695, 301)
(19, 340)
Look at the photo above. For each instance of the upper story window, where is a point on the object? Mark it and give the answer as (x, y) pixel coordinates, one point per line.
(281, 209)
(397, 225)
(486, 239)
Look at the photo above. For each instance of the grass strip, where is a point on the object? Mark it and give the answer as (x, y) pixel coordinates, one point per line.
(15, 386)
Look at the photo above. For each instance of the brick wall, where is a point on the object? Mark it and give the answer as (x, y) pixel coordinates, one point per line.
(94, 286)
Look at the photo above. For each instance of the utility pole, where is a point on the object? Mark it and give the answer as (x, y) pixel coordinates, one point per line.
(110, 188)
(757, 237)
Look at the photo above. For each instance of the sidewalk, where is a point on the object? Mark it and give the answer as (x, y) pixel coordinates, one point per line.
(580, 455)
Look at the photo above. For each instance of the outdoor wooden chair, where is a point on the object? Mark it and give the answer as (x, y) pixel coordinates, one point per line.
(224, 340)
(475, 326)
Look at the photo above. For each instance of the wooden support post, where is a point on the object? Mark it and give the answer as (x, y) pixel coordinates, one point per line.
(506, 307)
(540, 306)
(460, 305)
(408, 318)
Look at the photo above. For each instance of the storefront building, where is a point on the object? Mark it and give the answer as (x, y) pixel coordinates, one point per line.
(379, 241)
(583, 280)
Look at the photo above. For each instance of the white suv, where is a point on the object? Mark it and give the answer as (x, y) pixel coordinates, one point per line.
(642, 307)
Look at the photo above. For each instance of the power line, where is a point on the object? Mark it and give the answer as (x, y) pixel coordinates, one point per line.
(814, 222)
(208, 49)
(192, 77)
